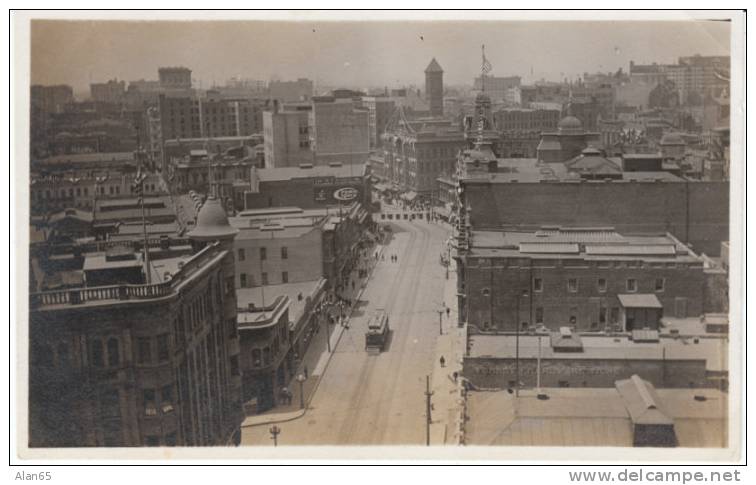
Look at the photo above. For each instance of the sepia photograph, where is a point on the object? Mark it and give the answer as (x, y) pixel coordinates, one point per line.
(379, 235)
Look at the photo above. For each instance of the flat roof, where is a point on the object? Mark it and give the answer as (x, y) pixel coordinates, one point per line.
(589, 417)
(288, 173)
(712, 349)
(245, 296)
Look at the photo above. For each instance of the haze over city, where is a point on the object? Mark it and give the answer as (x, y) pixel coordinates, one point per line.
(357, 54)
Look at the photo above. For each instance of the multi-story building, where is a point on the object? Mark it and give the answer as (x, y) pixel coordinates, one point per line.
(519, 119)
(112, 91)
(145, 364)
(287, 136)
(339, 131)
(291, 91)
(589, 279)
(380, 109)
(175, 78)
(434, 88)
(499, 88)
(308, 186)
(51, 99)
(211, 116)
(416, 153)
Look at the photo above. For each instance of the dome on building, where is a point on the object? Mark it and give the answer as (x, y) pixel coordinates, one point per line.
(570, 123)
(212, 222)
(671, 139)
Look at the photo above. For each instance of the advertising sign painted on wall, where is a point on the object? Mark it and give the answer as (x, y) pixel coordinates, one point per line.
(337, 194)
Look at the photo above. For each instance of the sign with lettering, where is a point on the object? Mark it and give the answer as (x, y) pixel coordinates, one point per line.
(337, 194)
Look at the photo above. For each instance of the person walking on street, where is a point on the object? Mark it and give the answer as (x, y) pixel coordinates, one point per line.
(305, 372)
(448, 311)
(442, 361)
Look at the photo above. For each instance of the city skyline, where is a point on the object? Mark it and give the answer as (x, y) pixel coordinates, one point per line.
(63, 52)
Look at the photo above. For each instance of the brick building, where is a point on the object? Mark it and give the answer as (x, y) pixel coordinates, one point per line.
(567, 142)
(112, 91)
(172, 78)
(590, 279)
(287, 136)
(308, 186)
(339, 131)
(519, 119)
(140, 364)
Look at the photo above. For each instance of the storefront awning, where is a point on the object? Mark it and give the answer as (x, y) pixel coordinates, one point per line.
(642, 300)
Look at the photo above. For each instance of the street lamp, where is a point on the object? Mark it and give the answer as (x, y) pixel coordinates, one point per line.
(440, 314)
(301, 379)
(274, 432)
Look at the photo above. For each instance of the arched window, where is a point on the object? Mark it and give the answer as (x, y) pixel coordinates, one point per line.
(113, 357)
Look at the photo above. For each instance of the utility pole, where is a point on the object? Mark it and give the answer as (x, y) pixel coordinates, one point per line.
(440, 314)
(428, 420)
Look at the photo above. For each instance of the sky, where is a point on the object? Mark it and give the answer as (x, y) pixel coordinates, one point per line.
(357, 54)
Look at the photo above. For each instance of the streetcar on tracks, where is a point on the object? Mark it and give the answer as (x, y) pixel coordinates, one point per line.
(377, 333)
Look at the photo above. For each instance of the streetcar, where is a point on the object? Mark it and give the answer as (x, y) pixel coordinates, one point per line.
(377, 333)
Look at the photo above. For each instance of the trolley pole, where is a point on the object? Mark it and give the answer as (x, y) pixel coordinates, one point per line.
(428, 418)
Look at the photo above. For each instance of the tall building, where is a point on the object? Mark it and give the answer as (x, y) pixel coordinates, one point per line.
(112, 91)
(212, 116)
(287, 136)
(291, 91)
(499, 88)
(380, 109)
(434, 88)
(51, 99)
(175, 77)
(339, 131)
(151, 363)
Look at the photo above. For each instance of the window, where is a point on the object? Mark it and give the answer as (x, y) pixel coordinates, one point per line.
(96, 353)
(284, 252)
(151, 440)
(266, 356)
(170, 439)
(537, 284)
(166, 399)
(572, 285)
(602, 315)
(243, 280)
(241, 254)
(264, 278)
(486, 292)
(632, 285)
(235, 364)
(148, 399)
(256, 357)
(113, 357)
(539, 315)
(144, 352)
(659, 284)
(110, 405)
(285, 277)
(263, 254)
(162, 347)
(602, 285)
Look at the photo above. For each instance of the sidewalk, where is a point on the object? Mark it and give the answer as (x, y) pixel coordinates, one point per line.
(447, 397)
(316, 360)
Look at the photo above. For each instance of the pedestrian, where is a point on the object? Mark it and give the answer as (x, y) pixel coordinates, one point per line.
(448, 311)
(442, 361)
(305, 372)
(455, 374)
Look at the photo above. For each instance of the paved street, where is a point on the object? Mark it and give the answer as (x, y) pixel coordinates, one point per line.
(379, 400)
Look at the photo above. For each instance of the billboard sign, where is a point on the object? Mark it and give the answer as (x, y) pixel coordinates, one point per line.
(337, 194)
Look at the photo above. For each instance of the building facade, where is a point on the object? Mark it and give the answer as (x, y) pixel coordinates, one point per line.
(339, 131)
(138, 365)
(287, 136)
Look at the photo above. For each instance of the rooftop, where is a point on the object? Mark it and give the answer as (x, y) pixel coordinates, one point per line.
(288, 173)
(298, 293)
(606, 347)
(589, 243)
(591, 417)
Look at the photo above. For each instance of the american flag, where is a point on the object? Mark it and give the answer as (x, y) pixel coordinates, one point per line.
(486, 66)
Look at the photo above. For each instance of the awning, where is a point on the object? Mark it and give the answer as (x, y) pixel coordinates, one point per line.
(642, 300)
